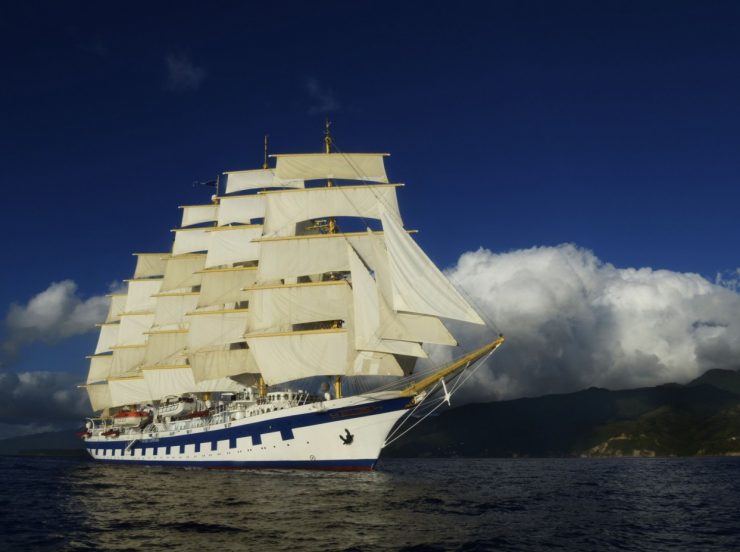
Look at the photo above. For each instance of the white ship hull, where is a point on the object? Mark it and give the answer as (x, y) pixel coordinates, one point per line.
(346, 433)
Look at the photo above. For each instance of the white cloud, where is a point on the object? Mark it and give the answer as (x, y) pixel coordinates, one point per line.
(54, 314)
(322, 97)
(40, 399)
(572, 321)
(181, 74)
(729, 279)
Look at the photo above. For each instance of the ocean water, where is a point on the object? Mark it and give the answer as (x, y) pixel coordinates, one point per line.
(435, 504)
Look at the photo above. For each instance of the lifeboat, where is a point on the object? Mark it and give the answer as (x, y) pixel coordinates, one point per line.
(84, 434)
(176, 407)
(131, 418)
(111, 433)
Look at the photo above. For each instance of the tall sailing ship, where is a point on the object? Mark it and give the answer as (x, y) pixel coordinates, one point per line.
(297, 276)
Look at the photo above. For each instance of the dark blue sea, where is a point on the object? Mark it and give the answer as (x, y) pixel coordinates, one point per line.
(461, 504)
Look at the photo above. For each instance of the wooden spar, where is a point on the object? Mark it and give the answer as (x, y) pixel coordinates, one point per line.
(451, 368)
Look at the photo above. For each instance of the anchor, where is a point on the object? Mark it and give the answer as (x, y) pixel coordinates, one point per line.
(348, 439)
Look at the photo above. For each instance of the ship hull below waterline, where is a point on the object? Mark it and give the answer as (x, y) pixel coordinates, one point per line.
(341, 434)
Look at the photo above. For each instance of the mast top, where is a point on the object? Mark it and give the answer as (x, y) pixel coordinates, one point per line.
(327, 136)
(264, 162)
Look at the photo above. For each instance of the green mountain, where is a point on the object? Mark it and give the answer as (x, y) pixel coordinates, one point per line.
(701, 418)
(52, 443)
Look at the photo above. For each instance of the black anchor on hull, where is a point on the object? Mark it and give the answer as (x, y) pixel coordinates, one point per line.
(347, 440)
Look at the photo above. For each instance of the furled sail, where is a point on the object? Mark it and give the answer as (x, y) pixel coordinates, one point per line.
(342, 166)
(285, 208)
(257, 179)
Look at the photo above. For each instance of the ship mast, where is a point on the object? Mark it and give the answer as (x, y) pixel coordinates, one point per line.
(332, 229)
(261, 385)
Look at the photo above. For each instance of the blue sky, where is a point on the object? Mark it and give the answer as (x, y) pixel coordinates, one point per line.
(611, 125)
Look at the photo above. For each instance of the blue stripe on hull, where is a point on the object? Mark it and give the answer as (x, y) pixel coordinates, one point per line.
(336, 465)
(285, 426)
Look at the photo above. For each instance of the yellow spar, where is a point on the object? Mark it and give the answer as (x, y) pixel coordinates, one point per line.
(451, 368)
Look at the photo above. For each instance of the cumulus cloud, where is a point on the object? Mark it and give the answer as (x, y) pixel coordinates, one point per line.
(322, 98)
(181, 74)
(40, 399)
(56, 313)
(729, 279)
(573, 321)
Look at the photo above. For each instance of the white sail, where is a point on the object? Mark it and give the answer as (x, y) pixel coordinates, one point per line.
(134, 327)
(285, 208)
(183, 272)
(342, 166)
(164, 346)
(220, 363)
(256, 179)
(209, 329)
(107, 338)
(226, 285)
(398, 325)
(287, 356)
(129, 391)
(117, 306)
(164, 381)
(241, 209)
(150, 264)
(418, 285)
(140, 295)
(99, 395)
(367, 327)
(233, 244)
(100, 368)
(127, 359)
(368, 363)
(198, 214)
(190, 240)
(172, 307)
(278, 307)
(289, 257)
